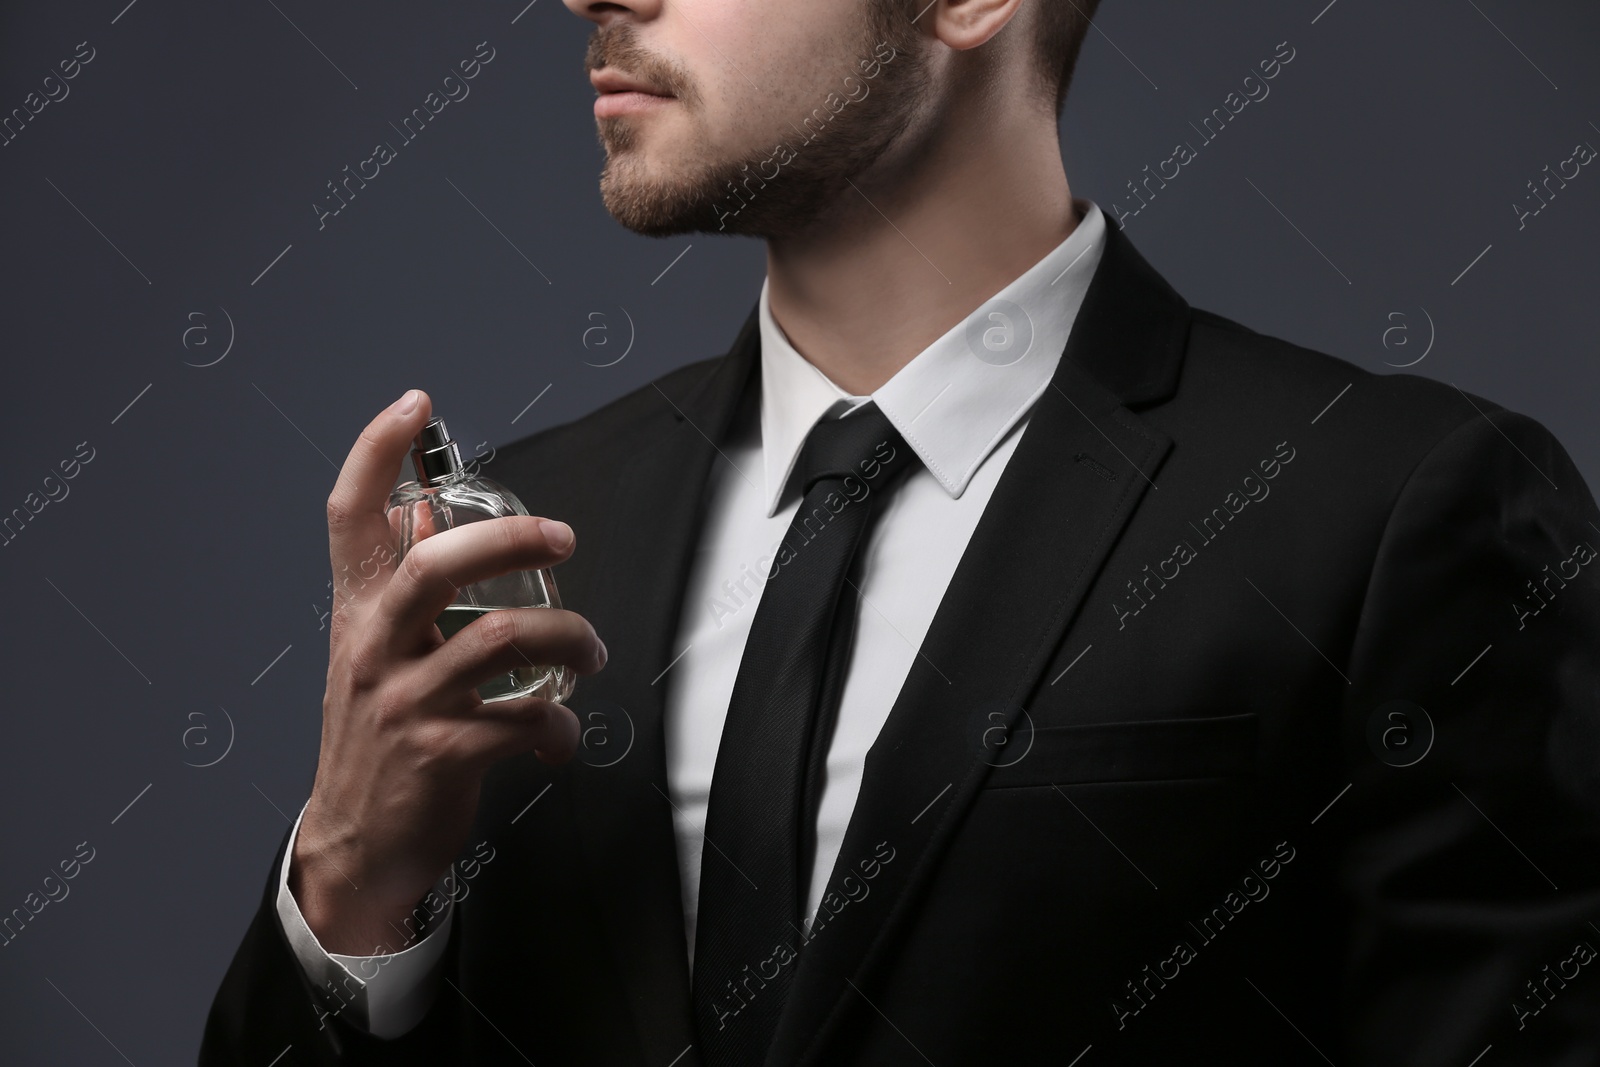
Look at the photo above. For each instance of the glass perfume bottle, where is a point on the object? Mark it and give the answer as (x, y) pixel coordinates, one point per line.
(445, 495)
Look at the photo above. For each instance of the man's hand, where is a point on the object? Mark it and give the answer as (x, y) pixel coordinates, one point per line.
(406, 740)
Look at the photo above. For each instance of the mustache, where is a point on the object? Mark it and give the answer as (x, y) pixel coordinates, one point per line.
(617, 46)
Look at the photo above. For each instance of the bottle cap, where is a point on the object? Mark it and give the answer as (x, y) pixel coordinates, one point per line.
(434, 455)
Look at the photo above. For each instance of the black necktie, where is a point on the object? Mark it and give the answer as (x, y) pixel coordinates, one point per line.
(761, 818)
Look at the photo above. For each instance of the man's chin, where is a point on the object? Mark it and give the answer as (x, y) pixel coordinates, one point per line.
(709, 208)
(657, 215)
(655, 208)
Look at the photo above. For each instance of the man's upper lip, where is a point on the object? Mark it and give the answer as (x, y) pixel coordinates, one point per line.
(607, 80)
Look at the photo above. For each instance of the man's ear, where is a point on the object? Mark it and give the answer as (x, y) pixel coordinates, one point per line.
(964, 24)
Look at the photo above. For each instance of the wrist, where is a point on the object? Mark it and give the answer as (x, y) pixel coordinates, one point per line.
(341, 908)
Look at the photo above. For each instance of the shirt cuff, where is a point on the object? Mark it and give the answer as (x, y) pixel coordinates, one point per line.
(385, 995)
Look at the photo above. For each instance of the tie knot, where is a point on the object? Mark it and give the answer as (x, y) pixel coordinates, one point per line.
(862, 445)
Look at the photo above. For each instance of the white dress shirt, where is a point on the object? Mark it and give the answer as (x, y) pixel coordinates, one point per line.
(961, 405)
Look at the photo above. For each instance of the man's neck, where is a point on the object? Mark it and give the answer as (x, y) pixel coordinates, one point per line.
(919, 247)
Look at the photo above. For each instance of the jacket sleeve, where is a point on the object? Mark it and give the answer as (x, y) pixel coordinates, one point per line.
(267, 1004)
(1470, 834)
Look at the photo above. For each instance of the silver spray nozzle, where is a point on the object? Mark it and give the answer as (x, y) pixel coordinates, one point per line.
(434, 454)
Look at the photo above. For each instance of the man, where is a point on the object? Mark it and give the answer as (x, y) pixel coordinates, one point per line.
(1003, 662)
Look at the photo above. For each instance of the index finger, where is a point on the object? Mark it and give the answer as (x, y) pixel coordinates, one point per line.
(357, 519)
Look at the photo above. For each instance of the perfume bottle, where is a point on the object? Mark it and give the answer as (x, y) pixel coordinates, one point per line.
(445, 495)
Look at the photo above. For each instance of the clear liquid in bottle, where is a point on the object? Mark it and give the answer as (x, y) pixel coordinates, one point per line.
(446, 495)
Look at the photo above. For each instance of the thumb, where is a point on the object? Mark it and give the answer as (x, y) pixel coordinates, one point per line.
(359, 529)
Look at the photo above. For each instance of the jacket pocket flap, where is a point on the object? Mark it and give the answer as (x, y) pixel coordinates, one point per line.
(1142, 750)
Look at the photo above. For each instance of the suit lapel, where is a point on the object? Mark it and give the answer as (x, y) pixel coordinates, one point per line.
(1042, 538)
(623, 817)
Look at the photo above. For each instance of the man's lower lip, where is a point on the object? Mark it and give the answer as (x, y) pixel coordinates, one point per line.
(609, 104)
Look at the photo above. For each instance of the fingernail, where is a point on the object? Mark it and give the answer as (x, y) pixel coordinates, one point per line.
(407, 403)
(603, 654)
(557, 534)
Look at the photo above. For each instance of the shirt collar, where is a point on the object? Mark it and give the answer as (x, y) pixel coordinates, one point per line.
(956, 400)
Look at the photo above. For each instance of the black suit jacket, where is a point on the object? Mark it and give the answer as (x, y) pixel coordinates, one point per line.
(1260, 723)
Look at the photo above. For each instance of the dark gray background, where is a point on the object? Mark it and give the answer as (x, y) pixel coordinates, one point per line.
(192, 550)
